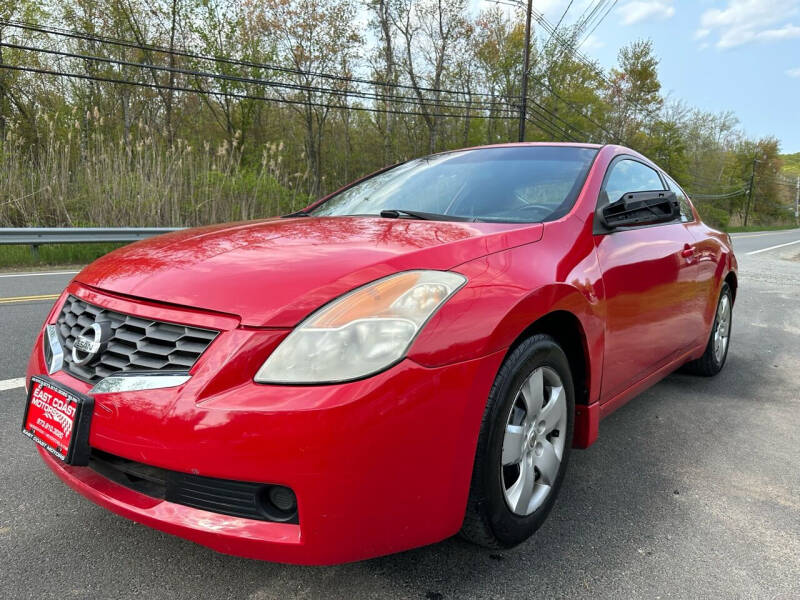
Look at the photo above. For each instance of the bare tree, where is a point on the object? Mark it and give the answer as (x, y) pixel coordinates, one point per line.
(313, 37)
(387, 73)
(430, 29)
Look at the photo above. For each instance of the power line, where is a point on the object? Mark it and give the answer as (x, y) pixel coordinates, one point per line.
(223, 60)
(537, 116)
(596, 7)
(714, 184)
(586, 61)
(550, 116)
(235, 94)
(553, 115)
(554, 134)
(573, 51)
(247, 80)
(541, 82)
(719, 196)
(344, 93)
(564, 14)
(597, 24)
(447, 104)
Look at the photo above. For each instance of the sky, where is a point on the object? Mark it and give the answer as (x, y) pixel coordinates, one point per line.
(717, 55)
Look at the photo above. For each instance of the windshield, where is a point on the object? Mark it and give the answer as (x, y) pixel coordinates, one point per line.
(512, 184)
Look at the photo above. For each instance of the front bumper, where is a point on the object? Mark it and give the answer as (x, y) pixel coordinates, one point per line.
(378, 466)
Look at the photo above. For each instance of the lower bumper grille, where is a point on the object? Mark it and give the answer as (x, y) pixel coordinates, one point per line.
(243, 499)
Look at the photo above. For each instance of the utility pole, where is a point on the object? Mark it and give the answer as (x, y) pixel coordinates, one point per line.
(523, 109)
(750, 192)
(2, 97)
(797, 200)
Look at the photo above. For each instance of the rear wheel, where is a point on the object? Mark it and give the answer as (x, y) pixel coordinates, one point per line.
(524, 444)
(716, 351)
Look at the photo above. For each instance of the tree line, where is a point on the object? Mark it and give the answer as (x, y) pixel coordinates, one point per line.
(185, 112)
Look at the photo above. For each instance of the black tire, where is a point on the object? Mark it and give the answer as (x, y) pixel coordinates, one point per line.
(489, 521)
(709, 364)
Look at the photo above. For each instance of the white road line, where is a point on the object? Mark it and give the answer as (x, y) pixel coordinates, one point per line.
(742, 236)
(772, 248)
(37, 274)
(12, 384)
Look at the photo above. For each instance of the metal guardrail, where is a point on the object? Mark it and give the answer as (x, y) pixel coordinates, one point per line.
(38, 236)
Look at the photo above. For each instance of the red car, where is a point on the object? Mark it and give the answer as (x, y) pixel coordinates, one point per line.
(411, 357)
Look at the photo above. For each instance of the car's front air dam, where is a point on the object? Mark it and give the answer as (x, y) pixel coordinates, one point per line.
(231, 535)
(379, 465)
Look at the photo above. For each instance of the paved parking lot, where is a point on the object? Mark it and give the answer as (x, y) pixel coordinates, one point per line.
(693, 490)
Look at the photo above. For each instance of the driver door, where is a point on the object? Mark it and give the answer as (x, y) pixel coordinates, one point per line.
(649, 277)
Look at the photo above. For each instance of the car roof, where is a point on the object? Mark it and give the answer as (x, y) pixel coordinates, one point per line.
(523, 144)
(617, 149)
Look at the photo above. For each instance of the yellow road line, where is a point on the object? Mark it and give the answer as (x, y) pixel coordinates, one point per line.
(15, 299)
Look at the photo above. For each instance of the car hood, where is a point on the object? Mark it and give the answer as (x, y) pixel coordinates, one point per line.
(273, 273)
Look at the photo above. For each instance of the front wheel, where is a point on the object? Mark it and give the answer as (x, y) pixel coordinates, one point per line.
(524, 444)
(716, 351)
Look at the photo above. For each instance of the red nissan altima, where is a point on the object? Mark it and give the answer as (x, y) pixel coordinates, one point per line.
(411, 357)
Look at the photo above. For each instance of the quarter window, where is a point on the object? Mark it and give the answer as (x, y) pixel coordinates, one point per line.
(686, 207)
(631, 176)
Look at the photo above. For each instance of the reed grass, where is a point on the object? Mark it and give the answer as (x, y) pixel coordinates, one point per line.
(71, 179)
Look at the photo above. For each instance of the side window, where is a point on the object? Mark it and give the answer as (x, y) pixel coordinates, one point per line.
(686, 207)
(631, 176)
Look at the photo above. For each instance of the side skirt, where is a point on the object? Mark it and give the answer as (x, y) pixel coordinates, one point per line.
(608, 407)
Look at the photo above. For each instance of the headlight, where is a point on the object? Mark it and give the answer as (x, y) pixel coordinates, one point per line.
(361, 333)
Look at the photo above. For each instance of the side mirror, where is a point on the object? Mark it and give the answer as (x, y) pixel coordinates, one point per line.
(640, 208)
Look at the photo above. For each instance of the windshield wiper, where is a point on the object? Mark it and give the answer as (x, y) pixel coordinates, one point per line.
(394, 213)
(299, 213)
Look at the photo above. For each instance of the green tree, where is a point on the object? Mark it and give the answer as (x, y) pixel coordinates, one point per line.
(634, 91)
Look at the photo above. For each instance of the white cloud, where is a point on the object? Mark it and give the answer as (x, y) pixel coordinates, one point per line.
(746, 21)
(593, 42)
(639, 11)
(793, 72)
(547, 6)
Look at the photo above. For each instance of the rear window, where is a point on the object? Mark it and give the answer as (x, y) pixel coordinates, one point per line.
(517, 184)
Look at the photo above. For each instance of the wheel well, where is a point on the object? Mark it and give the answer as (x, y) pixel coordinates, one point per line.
(730, 279)
(566, 329)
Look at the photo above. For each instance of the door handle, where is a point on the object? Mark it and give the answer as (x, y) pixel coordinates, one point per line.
(688, 251)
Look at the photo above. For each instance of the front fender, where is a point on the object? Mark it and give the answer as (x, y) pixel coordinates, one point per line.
(507, 292)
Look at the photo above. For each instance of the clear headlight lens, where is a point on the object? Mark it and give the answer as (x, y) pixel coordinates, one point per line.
(362, 332)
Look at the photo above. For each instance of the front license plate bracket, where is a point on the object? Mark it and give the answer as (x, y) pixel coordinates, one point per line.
(58, 419)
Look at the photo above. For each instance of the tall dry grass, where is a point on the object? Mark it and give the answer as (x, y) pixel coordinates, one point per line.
(70, 178)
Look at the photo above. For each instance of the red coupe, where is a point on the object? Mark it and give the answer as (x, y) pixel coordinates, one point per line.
(410, 357)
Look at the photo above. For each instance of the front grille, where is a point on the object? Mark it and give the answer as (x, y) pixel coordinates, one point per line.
(243, 499)
(136, 344)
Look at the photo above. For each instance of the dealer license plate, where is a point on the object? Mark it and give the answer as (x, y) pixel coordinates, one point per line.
(58, 419)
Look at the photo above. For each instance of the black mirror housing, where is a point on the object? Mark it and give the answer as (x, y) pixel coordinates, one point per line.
(636, 209)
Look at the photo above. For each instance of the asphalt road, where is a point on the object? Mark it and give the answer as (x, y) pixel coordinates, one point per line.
(692, 490)
(762, 242)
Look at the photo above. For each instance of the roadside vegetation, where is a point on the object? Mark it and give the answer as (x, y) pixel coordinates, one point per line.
(791, 164)
(298, 98)
(742, 229)
(52, 255)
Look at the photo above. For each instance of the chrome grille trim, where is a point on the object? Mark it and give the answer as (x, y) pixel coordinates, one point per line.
(136, 344)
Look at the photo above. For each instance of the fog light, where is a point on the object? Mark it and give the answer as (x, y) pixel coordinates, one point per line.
(283, 498)
(278, 503)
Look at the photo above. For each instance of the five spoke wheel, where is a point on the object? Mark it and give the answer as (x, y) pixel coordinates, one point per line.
(533, 444)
